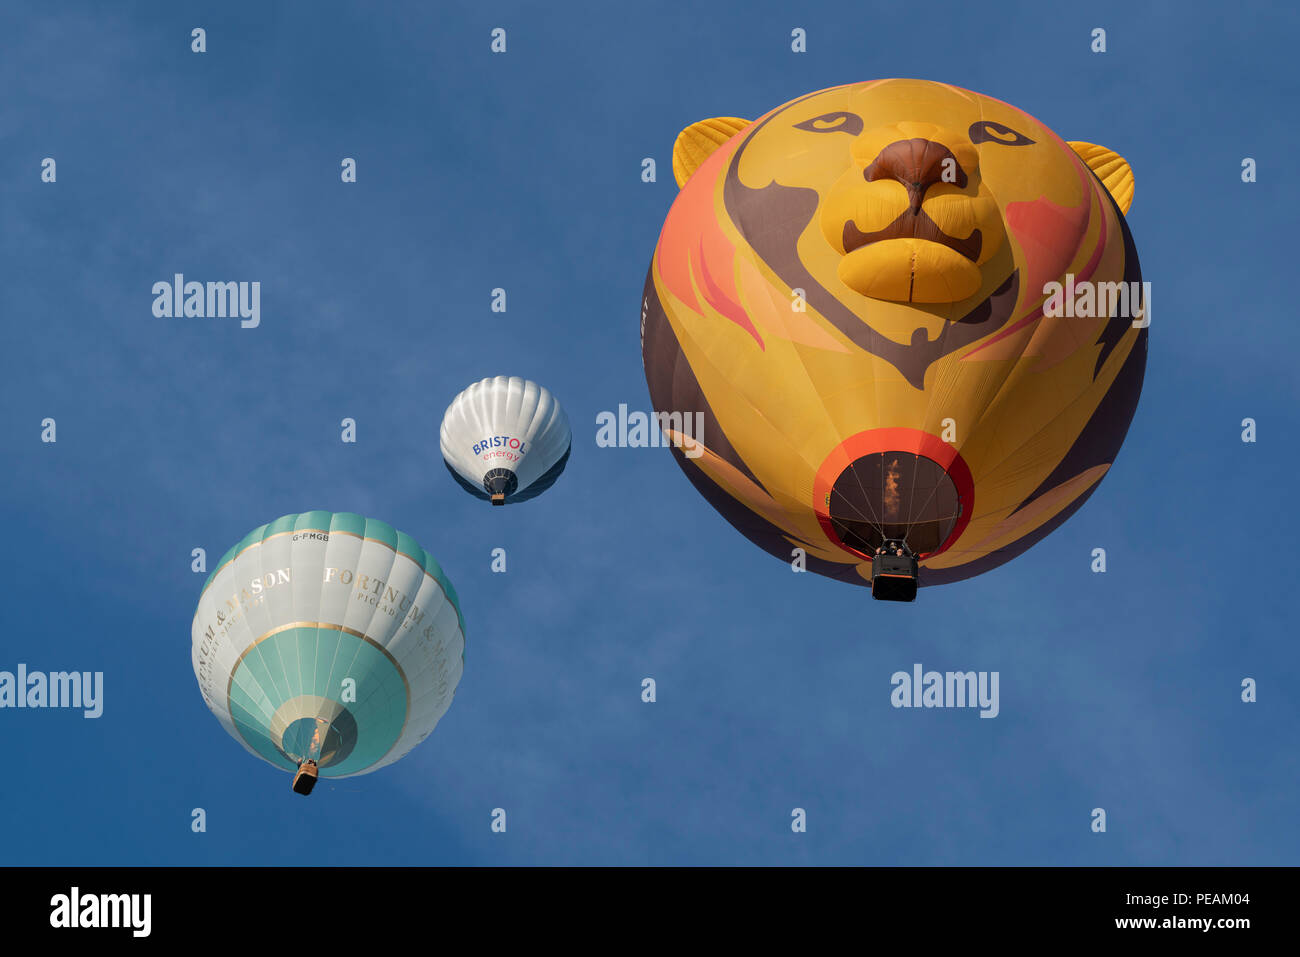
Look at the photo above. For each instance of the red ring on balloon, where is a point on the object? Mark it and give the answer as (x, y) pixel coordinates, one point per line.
(875, 441)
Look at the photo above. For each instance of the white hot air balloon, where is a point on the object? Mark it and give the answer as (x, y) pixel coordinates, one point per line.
(505, 439)
(328, 644)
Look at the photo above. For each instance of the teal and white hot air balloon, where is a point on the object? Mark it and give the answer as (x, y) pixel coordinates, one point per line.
(505, 439)
(328, 644)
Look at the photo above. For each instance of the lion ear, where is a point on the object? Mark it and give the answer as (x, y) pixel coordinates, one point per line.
(698, 141)
(1112, 169)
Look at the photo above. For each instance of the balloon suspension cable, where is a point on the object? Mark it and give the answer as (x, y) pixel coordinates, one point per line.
(869, 520)
(911, 500)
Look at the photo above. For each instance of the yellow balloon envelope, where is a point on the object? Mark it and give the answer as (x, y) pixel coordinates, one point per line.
(900, 311)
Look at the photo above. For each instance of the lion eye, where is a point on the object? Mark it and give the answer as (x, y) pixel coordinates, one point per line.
(988, 131)
(837, 122)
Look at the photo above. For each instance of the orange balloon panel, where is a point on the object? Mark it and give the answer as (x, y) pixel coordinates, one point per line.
(901, 310)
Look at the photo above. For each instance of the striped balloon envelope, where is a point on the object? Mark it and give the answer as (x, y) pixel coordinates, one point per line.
(505, 439)
(330, 639)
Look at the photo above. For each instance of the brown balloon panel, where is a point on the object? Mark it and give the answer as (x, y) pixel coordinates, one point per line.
(894, 495)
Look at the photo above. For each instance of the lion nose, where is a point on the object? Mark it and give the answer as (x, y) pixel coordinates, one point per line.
(918, 164)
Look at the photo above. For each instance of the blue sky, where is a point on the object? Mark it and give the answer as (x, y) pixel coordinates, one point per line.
(522, 171)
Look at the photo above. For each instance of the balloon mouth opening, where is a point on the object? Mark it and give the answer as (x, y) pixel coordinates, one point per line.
(894, 496)
(499, 483)
(893, 484)
(320, 742)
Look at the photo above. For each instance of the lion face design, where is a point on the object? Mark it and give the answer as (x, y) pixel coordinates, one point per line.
(907, 212)
(851, 290)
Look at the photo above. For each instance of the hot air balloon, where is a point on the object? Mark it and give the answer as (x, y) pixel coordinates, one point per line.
(912, 319)
(505, 439)
(328, 644)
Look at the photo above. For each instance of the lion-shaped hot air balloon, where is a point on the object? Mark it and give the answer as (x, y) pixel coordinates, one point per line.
(910, 318)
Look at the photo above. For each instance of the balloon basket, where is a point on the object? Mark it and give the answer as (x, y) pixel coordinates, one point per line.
(305, 779)
(894, 577)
